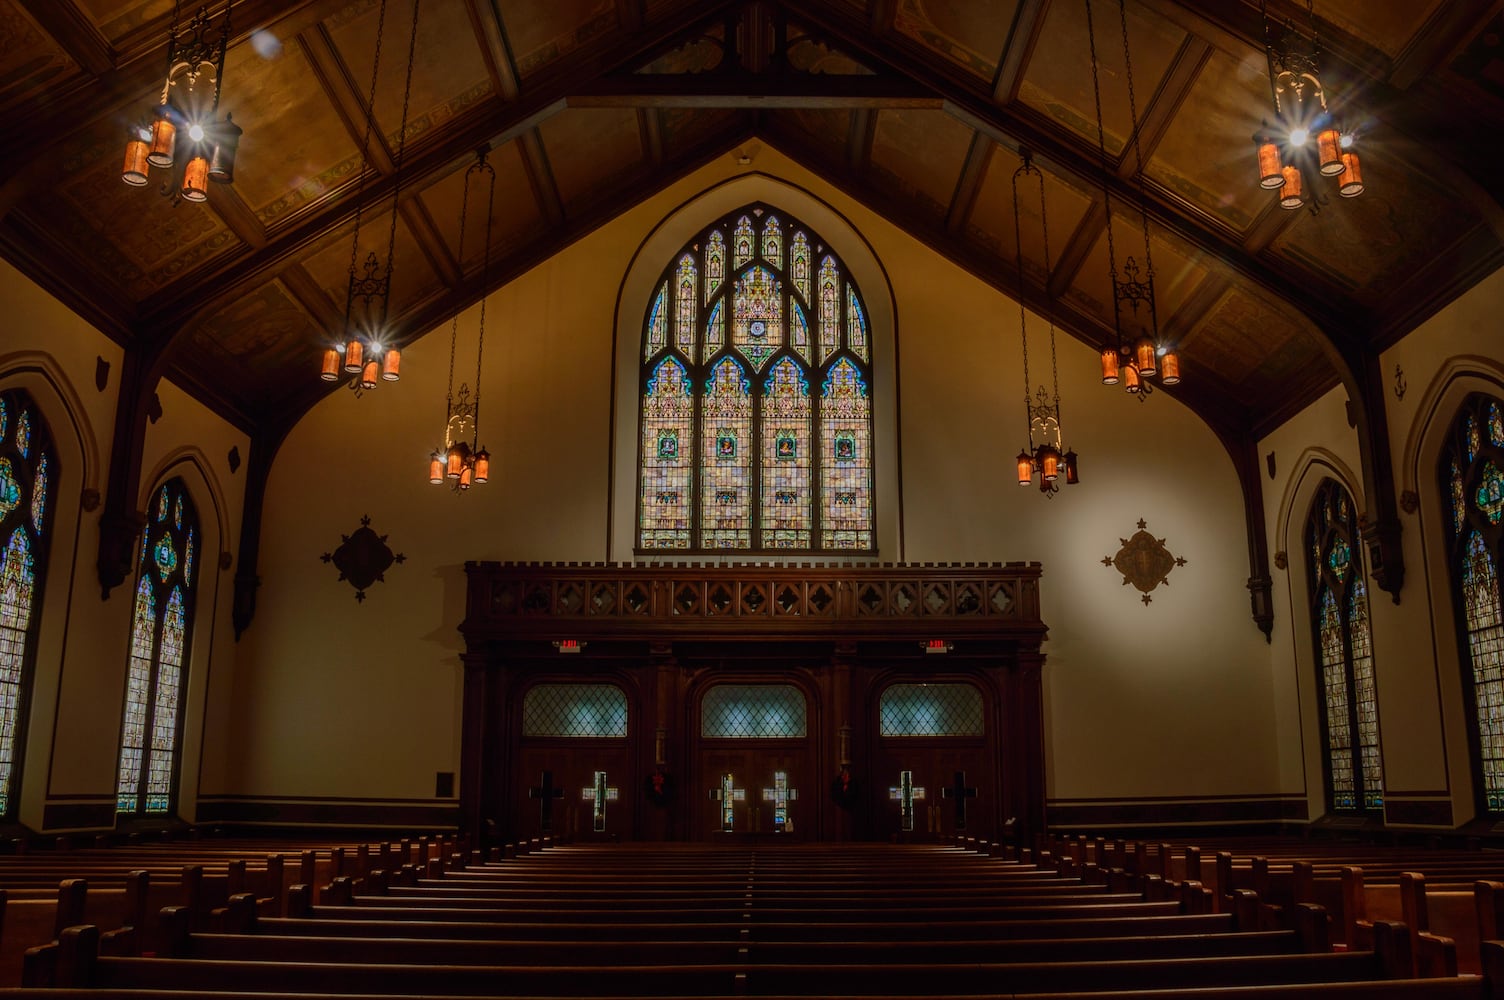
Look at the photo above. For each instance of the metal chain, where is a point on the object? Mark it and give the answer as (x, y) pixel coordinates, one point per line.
(1044, 227)
(365, 146)
(1023, 322)
(1138, 156)
(485, 287)
(454, 324)
(1096, 90)
(407, 91)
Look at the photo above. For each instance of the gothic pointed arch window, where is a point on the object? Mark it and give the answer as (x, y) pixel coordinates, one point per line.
(1472, 484)
(1344, 654)
(161, 630)
(28, 467)
(756, 420)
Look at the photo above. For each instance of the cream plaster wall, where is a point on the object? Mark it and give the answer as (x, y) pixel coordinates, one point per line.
(361, 700)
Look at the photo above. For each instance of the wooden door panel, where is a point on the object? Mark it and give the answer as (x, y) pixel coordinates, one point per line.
(572, 785)
(934, 766)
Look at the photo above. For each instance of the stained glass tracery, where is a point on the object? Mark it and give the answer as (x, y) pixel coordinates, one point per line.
(756, 433)
(1344, 651)
(1474, 487)
(162, 624)
(26, 464)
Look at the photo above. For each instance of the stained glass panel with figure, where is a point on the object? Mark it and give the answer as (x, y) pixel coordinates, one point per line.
(666, 458)
(157, 667)
(787, 515)
(846, 461)
(726, 475)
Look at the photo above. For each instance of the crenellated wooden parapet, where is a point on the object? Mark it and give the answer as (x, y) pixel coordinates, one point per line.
(795, 601)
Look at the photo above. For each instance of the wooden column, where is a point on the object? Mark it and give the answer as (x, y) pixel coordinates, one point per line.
(1023, 745)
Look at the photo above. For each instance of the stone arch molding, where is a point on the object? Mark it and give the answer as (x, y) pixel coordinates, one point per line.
(1458, 378)
(202, 484)
(41, 375)
(637, 285)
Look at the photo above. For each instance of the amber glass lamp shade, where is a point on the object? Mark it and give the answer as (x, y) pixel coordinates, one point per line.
(369, 375)
(1130, 379)
(1109, 366)
(1329, 146)
(1143, 355)
(164, 139)
(1290, 194)
(1169, 368)
(1049, 463)
(329, 371)
(1025, 468)
(1351, 183)
(391, 364)
(465, 478)
(353, 352)
(436, 468)
(1072, 474)
(1270, 175)
(455, 460)
(482, 466)
(222, 156)
(196, 179)
(134, 171)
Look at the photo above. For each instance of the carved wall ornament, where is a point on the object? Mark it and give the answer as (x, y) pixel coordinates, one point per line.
(1144, 561)
(90, 500)
(1281, 559)
(1409, 501)
(1400, 385)
(362, 558)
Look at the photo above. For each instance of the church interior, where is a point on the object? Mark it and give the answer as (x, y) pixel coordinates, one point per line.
(807, 501)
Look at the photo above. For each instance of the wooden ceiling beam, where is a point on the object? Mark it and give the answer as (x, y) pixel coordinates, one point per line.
(540, 176)
(1078, 247)
(237, 215)
(1174, 90)
(345, 96)
(969, 185)
(753, 90)
(420, 224)
(312, 297)
(650, 132)
(75, 32)
(1028, 22)
(1450, 26)
(485, 19)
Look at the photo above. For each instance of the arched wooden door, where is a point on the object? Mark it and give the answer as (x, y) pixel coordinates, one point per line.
(754, 768)
(574, 762)
(934, 769)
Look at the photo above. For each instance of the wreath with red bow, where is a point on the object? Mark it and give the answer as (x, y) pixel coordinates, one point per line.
(659, 787)
(843, 789)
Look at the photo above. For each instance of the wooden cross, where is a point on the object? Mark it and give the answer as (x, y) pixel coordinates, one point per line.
(600, 795)
(780, 795)
(906, 794)
(545, 793)
(727, 794)
(959, 791)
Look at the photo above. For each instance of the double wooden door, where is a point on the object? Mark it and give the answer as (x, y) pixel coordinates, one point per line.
(755, 791)
(949, 788)
(584, 789)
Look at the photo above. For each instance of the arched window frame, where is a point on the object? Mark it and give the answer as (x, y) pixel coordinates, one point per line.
(1343, 641)
(29, 473)
(1471, 476)
(151, 733)
(715, 268)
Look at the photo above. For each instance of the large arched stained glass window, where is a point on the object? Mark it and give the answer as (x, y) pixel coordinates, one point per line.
(756, 430)
(1472, 481)
(1344, 653)
(28, 467)
(160, 632)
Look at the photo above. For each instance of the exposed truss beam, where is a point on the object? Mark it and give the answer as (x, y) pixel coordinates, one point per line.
(1027, 24)
(752, 90)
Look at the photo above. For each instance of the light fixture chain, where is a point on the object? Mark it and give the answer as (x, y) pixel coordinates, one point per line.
(407, 90)
(485, 284)
(365, 148)
(1096, 90)
(1044, 227)
(454, 324)
(1138, 156)
(1023, 322)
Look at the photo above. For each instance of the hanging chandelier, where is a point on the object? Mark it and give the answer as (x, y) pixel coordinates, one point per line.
(1043, 456)
(188, 111)
(1288, 162)
(461, 459)
(361, 354)
(1137, 353)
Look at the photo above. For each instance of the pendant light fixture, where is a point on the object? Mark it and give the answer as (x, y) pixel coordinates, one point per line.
(462, 460)
(1289, 162)
(1137, 353)
(1045, 455)
(208, 154)
(361, 354)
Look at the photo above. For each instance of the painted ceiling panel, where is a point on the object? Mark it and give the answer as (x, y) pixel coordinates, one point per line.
(542, 33)
(514, 217)
(991, 222)
(589, 148)
(969, 34)
(1386, 26)
(412, 277)
(116, 18)
(30, 60)
(921, 153)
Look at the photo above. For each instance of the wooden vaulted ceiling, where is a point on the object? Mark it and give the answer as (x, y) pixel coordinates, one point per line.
(917, 107)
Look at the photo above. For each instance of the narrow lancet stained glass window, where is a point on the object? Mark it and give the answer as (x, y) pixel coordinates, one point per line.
(756, 432)
(27, 465)
(1344, 650)
(157, 670)
(1473, 486)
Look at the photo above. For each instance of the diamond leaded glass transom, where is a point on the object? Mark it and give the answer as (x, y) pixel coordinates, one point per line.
(931, 710)
(753, 712)
(582, 711)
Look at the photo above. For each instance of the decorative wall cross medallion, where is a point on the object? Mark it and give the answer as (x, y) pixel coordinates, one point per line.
(599, 794)
(362, 558)
(907, 795)
(1144, 561)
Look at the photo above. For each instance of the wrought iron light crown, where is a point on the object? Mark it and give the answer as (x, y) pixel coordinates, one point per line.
(1287, 161)
(1044, 455)
(1137, 352)
(193, 50)
(461, 459)
(362, 354)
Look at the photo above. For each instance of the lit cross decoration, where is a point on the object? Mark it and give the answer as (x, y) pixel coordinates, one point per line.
(959, 791)
(545, 793)
(906, 794)
(727, 794)
(780, 795)
(599, 794)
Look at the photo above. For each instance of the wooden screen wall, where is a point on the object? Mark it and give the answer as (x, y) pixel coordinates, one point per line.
(664, 636)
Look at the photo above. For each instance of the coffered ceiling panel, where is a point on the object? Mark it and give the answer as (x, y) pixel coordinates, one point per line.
(515, 217)
(29, 59)
(260, 337)
(968, 34)
(542, 33)
(991, 222)
(1386, 26)
(1207, 154)
(921, 153)
(1177, 270)
(1057, 81)
(117, 18)
(589, 148)
(412, 278)
(1252, 343)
